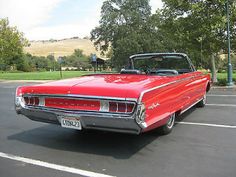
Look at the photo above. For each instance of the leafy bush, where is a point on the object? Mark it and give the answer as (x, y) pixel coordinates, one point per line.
(223, 81)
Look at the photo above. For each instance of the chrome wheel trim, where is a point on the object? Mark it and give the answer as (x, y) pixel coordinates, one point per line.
(204, 99)
(171, 121)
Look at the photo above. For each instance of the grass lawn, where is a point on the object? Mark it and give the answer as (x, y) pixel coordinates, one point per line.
(42, 75)
(224, 76)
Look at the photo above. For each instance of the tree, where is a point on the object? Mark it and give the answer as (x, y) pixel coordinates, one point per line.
(11, 45)
(77, 59)
(52, 62)
(200, 19)
(197, 28)
(122, 28)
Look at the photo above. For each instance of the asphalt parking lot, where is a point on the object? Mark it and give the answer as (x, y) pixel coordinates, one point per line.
(202, 144)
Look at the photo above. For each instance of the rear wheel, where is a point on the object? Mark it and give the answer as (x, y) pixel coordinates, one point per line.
(202, 103)
(168, 127)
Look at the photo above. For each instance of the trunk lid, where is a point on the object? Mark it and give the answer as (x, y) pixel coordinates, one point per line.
(106, 85)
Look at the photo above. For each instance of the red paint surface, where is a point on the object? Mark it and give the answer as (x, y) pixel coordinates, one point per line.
(189, 88)
(113, 85)
(72, 104)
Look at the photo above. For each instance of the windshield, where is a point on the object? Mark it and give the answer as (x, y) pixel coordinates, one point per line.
(166, 63)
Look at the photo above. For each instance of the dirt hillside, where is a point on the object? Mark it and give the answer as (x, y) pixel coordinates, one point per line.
(61, 47)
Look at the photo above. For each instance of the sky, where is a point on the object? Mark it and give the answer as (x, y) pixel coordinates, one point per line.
(55, 19)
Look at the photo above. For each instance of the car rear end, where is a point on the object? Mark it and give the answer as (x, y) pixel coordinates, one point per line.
(80, 111)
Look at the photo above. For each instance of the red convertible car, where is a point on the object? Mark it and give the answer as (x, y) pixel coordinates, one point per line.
(152, 90)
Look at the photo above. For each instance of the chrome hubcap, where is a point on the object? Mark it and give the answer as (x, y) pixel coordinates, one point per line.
(204, 99)
(171, 121)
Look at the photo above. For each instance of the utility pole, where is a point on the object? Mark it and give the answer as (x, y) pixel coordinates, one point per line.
(60, 62)
(94, 61)
(230, 79)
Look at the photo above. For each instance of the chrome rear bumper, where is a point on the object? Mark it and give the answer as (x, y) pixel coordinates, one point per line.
(89, 120)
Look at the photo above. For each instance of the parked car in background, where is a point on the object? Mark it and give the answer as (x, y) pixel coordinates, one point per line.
(148, 94)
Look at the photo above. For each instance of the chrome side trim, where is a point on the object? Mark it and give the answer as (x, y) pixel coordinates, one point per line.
(103, 97)
(160, 86)
(154, 88)
(183, 111)
(143, 124)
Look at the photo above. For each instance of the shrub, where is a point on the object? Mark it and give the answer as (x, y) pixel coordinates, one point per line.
(222, 82)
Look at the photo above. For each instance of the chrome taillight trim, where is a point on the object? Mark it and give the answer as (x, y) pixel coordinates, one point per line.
(104, 106)
(41, 101)
(76, 97)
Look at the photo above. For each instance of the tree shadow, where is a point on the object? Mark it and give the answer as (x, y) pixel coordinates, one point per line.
(120, 146)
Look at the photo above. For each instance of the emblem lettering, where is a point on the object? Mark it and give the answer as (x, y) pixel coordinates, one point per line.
(153, 106)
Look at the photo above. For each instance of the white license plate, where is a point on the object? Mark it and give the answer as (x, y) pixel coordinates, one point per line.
(70, 122)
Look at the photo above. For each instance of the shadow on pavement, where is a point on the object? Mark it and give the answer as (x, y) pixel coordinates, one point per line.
(117, 145)
(186, 114)
(120, 146)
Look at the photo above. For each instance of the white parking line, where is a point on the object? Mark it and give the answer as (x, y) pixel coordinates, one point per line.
(209, 125)
(213, 95)
(52, 166)
(222, 105)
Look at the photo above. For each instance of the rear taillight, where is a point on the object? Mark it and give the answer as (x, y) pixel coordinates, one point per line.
(79, 104)
(116, 107)
(31, 101)
(120, 107)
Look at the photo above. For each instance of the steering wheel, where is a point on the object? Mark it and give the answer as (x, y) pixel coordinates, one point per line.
(145, 68)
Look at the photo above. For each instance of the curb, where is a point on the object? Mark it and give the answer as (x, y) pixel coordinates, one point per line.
(224, 87)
